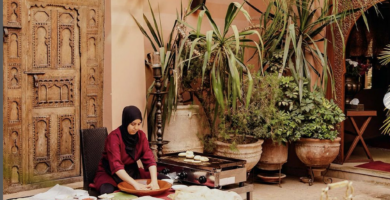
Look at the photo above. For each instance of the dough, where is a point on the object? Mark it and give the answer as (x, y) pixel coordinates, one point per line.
(189, 152)
(196, 161)
(188, 160)
(204, 159)
(182, 154)
(197, 157)
(190, 156)
(106, 196)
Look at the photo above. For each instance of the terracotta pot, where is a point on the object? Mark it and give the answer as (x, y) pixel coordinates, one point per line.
(182, 130)
(273, 156)
(317, 153)
(249, 152)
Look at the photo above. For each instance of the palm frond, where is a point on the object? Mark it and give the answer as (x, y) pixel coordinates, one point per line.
(385, 56)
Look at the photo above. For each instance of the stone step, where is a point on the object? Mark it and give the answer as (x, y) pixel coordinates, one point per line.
(349, 172)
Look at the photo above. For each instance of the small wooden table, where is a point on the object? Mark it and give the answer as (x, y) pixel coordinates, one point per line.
(351, 114)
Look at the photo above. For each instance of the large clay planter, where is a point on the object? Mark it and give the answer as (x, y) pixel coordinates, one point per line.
(182, 130)
(317, 153)
(273, 156)
(249, 152)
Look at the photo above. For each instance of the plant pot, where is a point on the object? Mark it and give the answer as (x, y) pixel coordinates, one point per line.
(317, 153)
(273, 156)
(183, 129)
(250, 152)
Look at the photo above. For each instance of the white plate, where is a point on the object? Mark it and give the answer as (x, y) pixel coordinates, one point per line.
(178, 187)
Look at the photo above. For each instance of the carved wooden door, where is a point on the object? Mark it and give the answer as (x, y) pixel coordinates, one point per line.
(53, 65)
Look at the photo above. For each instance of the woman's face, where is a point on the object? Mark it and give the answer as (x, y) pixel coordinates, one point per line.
(134, 126)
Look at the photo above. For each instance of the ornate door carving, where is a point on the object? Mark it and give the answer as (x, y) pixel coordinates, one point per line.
(53, 70)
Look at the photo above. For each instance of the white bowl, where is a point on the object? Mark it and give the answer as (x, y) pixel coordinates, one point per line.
(178, 187)
(168, 180)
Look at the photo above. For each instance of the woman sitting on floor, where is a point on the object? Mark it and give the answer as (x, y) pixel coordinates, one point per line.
(123, 147)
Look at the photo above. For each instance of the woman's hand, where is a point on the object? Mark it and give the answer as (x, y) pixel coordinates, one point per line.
(139, 186)
(153, 174)
(154, 185)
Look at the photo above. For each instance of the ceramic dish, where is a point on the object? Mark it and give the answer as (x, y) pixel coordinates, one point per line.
(128, 188)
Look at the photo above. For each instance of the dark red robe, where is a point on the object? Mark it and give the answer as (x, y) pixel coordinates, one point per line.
(115, 154)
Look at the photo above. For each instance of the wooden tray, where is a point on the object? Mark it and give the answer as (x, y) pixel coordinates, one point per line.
(128, 188)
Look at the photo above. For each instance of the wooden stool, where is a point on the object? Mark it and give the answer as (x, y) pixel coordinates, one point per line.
(351, 115)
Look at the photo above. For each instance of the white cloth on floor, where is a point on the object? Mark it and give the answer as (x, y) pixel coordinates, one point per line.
(203, 193)
(149, 198)
(53, 192)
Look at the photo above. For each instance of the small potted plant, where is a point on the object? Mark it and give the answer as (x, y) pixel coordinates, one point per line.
(273, 125)
(238, 129)
(318, 145)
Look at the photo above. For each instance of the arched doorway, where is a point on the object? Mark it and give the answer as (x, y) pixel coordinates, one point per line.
(338, 60)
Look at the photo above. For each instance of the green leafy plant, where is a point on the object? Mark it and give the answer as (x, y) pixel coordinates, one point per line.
(263, 118)
(168, 54)
(386, 123)
(384, 60)
(259, 118)
(316, 116)
(209, 66)
(214, 74)
(385, 56)
(297, 28)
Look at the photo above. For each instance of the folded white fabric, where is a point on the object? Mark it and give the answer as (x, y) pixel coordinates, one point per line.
(149, 198)
(53, 192)
(203, 193)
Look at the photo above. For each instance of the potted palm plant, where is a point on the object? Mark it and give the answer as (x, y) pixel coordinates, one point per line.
(385, 60)
(209, 66)
(219, 82)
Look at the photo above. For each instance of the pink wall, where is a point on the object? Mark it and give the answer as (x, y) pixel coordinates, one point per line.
(107, 101)
(124, 61)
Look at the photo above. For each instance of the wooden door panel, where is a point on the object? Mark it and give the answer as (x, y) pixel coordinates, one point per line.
(53, 70)
(55, 101)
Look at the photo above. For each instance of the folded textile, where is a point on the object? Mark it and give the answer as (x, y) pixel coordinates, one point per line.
(53, 192)
(203, 193)
(149, 198)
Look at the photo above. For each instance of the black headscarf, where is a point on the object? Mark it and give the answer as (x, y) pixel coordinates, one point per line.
(129, 114)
